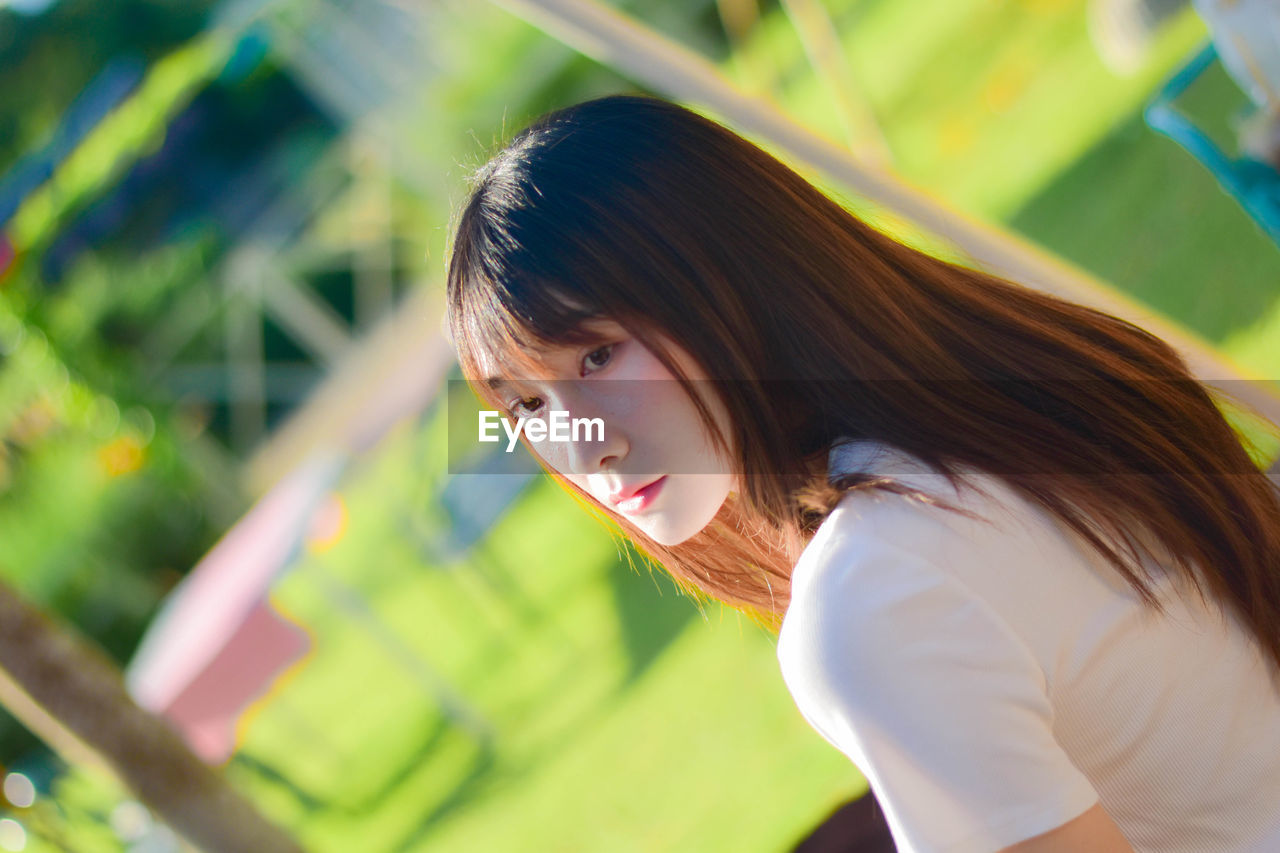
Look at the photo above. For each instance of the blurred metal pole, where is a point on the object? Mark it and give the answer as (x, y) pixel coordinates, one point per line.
(822, 44)
(663, 65)
(759, 70)
(244, 349)
(372, 227)
(305, 316)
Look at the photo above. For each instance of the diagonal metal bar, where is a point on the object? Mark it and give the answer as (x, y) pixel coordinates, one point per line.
(307, 318)
(822, 45)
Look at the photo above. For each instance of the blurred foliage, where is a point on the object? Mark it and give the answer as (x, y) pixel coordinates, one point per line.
(101, 507)
(100, 511)
(137, 125)
(47, 59)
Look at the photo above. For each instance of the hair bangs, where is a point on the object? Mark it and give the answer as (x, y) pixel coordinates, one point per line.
(503, 326)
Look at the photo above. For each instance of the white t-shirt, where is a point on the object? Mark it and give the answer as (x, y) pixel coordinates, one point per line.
(994, 683)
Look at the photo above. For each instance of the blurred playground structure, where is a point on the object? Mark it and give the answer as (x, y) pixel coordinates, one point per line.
(1251, 177)
(242, 240)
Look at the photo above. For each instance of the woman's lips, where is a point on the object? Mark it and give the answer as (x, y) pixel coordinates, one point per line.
(641, 499)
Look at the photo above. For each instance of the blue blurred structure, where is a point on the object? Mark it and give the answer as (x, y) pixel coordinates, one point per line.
(1256, 185)
(104, 93)
(474, 499)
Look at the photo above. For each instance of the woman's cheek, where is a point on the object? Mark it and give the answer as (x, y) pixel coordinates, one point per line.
(553, 455)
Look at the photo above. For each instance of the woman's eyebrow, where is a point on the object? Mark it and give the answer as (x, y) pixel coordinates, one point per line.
(545, 355)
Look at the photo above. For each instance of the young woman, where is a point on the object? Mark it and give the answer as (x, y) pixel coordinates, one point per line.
(1025, 574)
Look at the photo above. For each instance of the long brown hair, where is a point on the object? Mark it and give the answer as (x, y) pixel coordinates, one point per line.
(639, 210)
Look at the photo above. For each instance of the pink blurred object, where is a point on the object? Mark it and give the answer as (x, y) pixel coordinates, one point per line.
(209, 709)
(218, 645)
(6, 254)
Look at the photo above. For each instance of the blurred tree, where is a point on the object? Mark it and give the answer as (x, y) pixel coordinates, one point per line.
(74, 697)
(47, 58)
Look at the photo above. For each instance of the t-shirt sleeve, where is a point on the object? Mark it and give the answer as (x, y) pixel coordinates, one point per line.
(944, 709)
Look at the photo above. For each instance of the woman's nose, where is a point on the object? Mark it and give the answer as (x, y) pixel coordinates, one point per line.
(596, 444)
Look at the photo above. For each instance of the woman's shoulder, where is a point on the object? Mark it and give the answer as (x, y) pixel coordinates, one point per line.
(872, 563)
(892, 617)
(887, 572)
(868, 522)
(897, 650)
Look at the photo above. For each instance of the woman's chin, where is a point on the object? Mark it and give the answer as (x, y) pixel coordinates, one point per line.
(666, 534)
(687, 506)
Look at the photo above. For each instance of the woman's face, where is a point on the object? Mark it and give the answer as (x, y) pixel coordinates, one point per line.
(655, 464)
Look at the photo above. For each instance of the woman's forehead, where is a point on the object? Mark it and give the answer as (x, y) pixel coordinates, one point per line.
(512, 363)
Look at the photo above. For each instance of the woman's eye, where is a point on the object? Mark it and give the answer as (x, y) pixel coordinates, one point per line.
(599, 358)
(522, 406)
